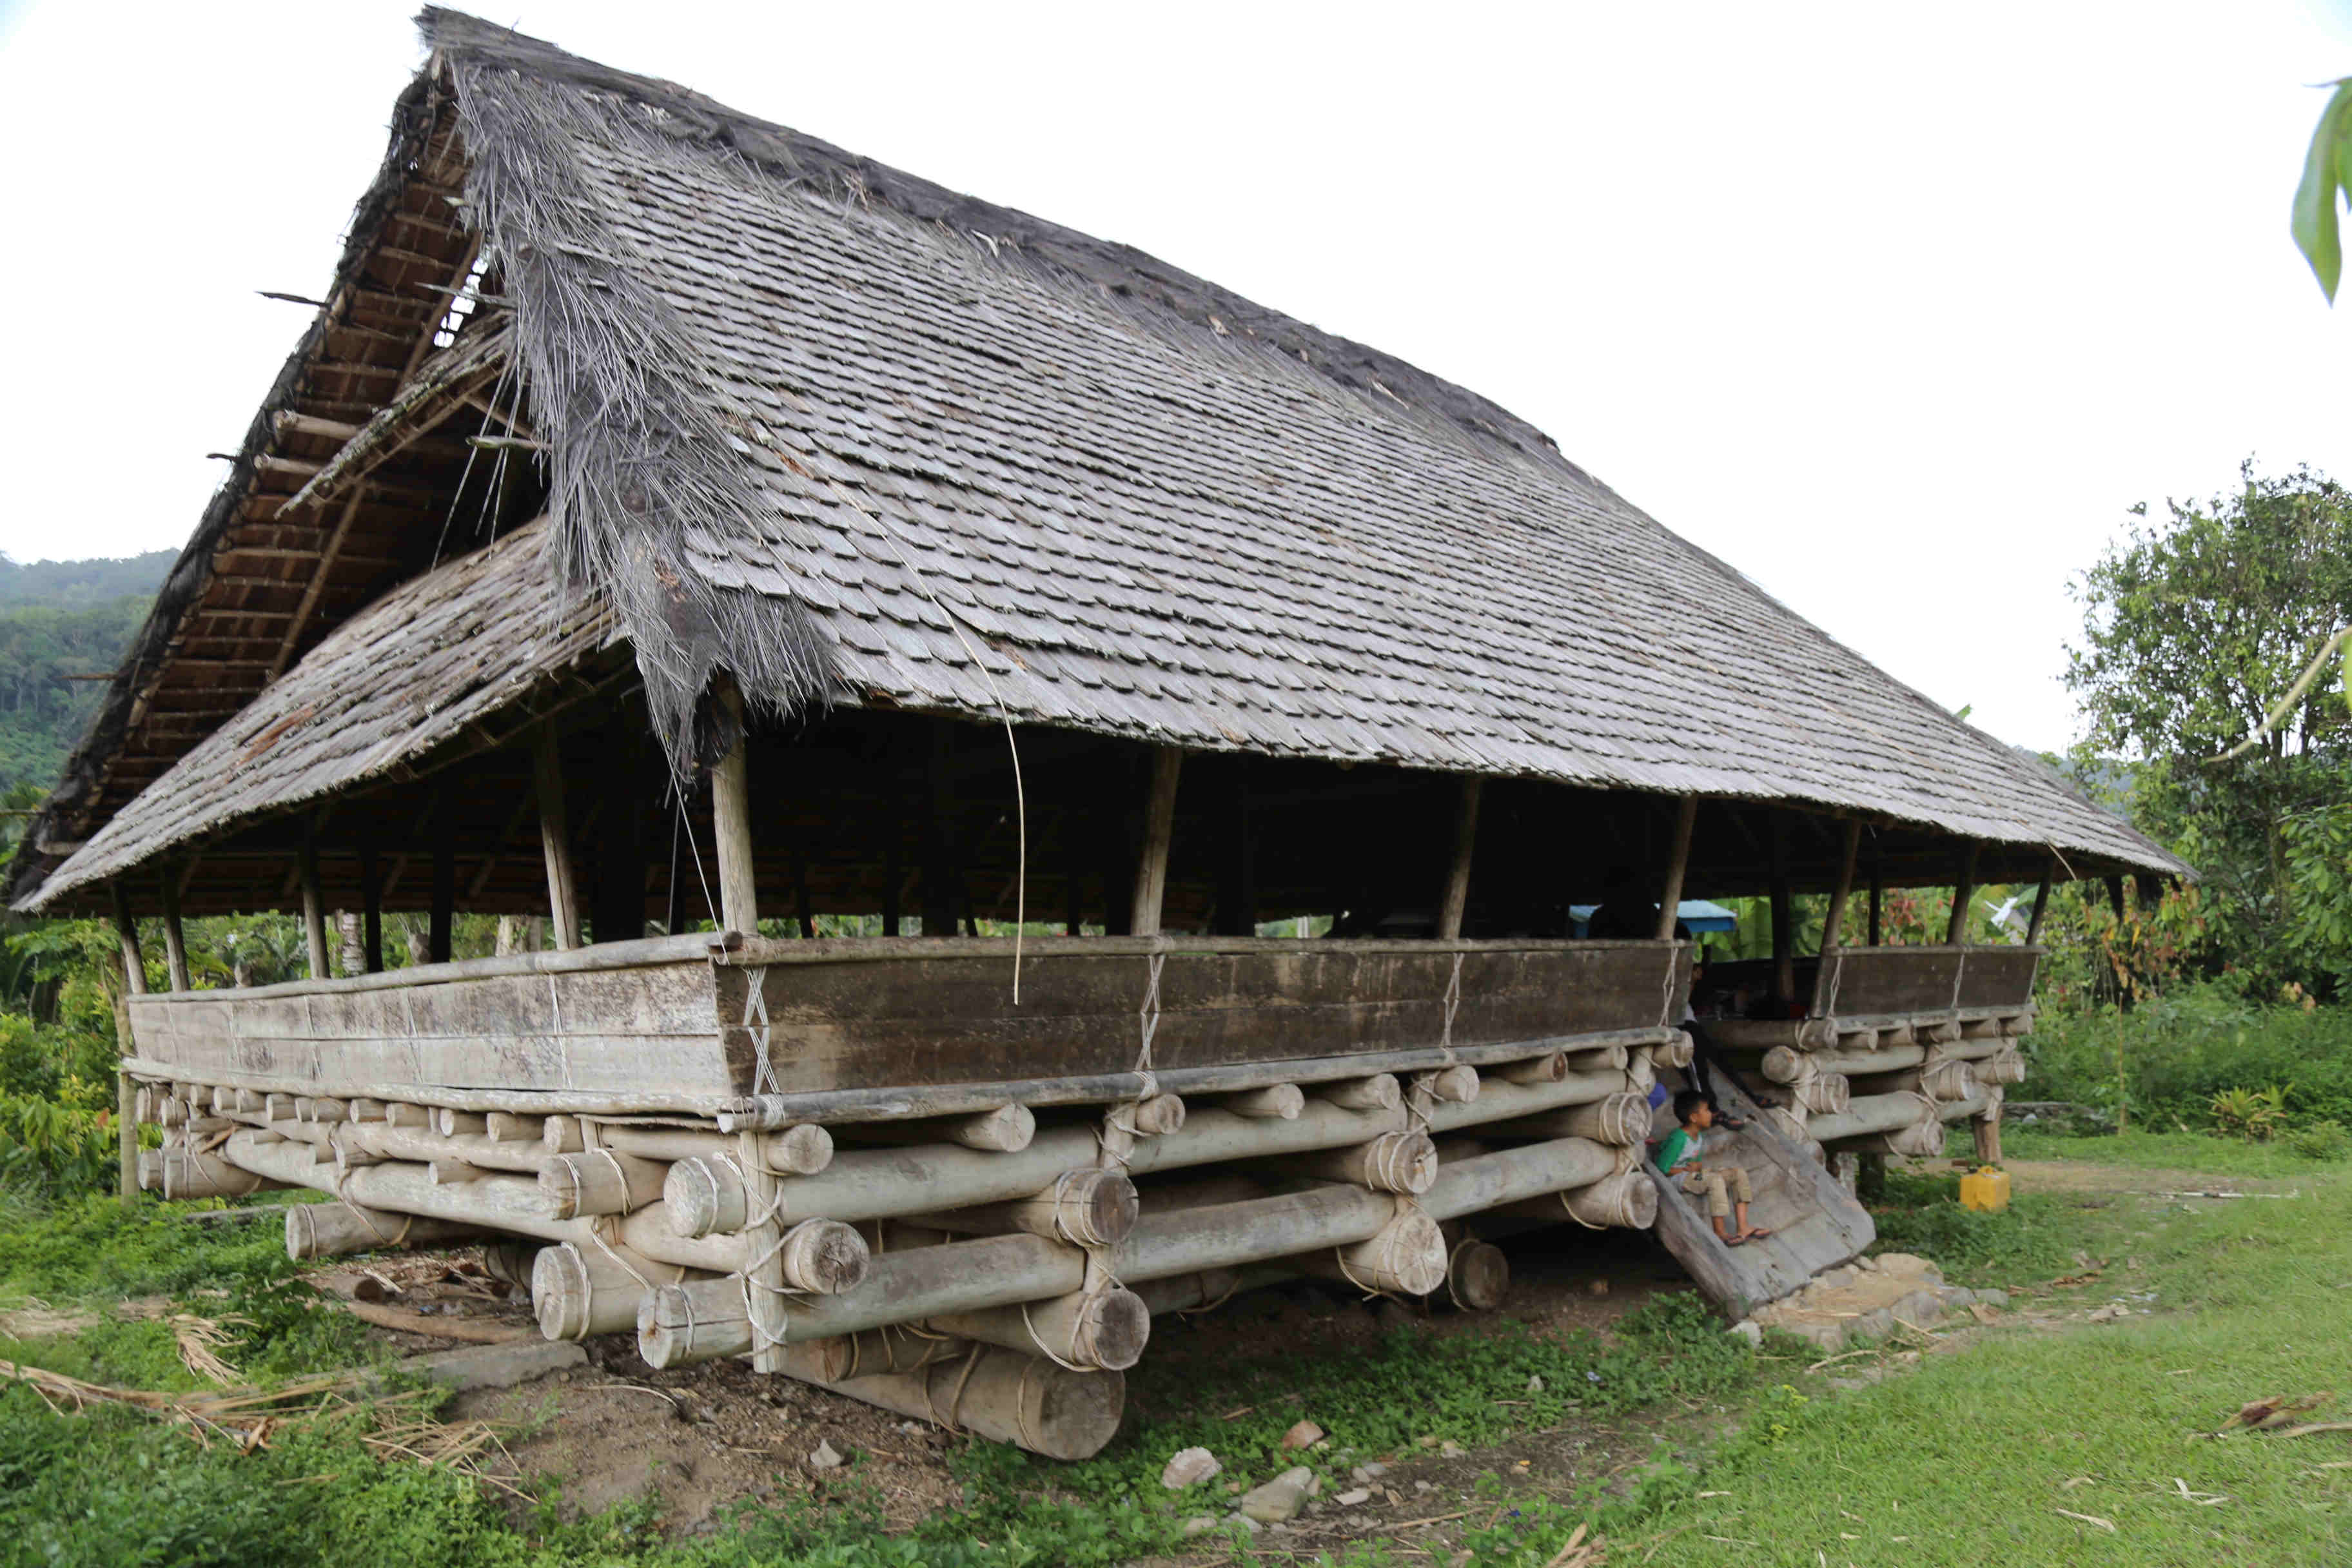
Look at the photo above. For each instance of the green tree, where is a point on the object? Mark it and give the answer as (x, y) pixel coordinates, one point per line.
(2193, 625)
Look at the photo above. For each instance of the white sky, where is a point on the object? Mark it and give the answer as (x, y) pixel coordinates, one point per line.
(1895, 307)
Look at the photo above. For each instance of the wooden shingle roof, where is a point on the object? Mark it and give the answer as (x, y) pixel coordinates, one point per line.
(998, 467)
(857, 439)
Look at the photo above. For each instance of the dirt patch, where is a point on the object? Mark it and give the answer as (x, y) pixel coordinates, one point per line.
(696, 1440)
(2081, 1177)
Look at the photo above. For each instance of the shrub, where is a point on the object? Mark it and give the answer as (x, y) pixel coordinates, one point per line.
(2181, 1049)
(2255, 1114)
(2320, 1141)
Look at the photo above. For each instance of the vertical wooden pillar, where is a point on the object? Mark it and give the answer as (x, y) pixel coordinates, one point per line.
(314, 908)
(134, 983)
(371, 910)
(555, 837)
(2041, 904)
(1833, 926)
(1987, 1130)
(2115, 897)
(1237, 863)
(730, 815)
(1784, 911)
(176, 944)
(1159, 828)
(1877, 887)
(1670, 895)
(1833, 923)
(1454, 899)
(441, 933)
(679, 828)
(942, 877)
(1964, 892)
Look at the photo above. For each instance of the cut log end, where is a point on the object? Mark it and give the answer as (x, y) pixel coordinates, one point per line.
(1478, 1276)
(1090, 1207)
(1159, 1116)
(824, 1258)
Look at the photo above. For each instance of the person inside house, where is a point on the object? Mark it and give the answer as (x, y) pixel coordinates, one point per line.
(1628, 912)
(1682, 1155)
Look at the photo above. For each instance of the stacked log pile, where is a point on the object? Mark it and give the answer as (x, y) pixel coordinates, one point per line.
(1889, 1089)
(994, 1270)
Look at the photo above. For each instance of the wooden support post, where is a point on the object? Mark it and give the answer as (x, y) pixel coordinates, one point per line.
(442, 929)
(803, 909)
(1784, 935)
(1456, 896)
(1833, 927)
(371, 910)
(134, 983)
(554, 839)
(2115, 897)
(1159, 828)
(176, 945)
(942, 878)
(314, 906)
(730, 815)
(1964, 892)
(1670, 896)
(1877, 887)
(2041, 904)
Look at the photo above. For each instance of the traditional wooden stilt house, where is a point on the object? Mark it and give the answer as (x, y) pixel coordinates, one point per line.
(681, 529)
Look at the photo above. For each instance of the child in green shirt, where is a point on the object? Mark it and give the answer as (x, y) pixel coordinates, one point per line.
(1726, 1187)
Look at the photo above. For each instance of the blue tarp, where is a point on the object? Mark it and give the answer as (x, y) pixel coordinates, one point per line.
(1699, 917)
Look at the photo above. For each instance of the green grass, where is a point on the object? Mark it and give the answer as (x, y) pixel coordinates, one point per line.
(1969, 1457)
(2172, 1150)
(112, 1487)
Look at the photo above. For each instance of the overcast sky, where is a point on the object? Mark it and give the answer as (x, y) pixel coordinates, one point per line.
(1897, 309)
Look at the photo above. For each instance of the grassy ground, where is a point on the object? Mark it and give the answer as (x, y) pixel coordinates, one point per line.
(1984, 1456)
(1967, 1455)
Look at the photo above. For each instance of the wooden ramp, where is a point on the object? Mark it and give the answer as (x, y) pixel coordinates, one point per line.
(1815, 1223)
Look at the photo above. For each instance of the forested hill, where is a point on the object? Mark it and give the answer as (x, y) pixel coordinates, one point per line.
(59, 619)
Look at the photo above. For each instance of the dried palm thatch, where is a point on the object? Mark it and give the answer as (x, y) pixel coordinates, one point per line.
(639, 455)
(396, 1426)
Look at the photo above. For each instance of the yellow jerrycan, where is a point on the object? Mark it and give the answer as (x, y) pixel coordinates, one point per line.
(1985, 1189)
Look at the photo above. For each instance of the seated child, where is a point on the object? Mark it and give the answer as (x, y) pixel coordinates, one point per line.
(1725, 1185)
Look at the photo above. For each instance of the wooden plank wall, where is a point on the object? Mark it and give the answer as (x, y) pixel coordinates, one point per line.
(647, 1028)
(885, 1013)
(924, 1015)
(2000, 976)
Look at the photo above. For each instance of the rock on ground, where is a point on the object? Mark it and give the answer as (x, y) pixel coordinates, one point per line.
(1188, 1468)
(1279, 1500)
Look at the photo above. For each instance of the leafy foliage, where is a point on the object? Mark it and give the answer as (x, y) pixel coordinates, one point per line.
(2192, 627)
(2327, 177)
(2255, 1114)
(2182, 1047)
